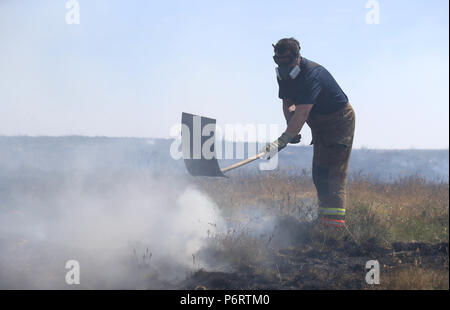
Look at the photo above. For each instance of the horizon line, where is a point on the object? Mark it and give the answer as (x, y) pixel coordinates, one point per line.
(153, 138)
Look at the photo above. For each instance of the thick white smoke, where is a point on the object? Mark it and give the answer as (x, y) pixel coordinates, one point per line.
(126, 232)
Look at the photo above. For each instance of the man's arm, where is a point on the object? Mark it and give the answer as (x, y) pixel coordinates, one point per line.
(288, 113)
(299, 118)
(295, 124)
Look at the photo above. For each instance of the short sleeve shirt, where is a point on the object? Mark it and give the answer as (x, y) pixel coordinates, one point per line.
(313, 85)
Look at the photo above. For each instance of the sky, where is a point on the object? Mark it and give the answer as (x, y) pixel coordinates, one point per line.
(129, 68)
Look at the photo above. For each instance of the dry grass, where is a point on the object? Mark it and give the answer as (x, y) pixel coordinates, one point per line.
(378, 215)
(412, 278)
(408, 210)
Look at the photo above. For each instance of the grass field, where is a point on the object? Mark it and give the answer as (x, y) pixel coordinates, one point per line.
(404, 225)
(165, 232)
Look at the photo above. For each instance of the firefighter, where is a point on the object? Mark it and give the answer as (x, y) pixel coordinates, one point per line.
(311, 95)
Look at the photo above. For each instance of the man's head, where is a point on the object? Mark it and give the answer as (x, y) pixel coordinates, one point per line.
(287, 52)
(287, 57)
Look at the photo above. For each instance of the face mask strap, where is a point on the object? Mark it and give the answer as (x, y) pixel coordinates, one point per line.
(283, 60)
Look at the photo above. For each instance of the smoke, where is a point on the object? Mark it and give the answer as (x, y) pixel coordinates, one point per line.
(114, 206)
(126, 231)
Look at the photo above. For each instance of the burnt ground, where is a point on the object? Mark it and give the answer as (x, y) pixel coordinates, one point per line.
(327, 265)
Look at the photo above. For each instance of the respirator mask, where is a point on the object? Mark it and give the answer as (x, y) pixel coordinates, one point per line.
(286, 70)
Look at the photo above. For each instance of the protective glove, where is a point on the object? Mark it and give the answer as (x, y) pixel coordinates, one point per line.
(296, 139)
(273, 148)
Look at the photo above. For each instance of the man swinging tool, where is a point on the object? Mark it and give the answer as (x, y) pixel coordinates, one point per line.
(310, 94)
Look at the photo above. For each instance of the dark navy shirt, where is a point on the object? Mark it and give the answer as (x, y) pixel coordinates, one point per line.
(313, 85)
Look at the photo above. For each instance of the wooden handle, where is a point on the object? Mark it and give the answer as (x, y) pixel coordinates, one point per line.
(244, 162)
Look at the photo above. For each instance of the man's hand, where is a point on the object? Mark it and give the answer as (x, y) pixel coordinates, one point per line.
(273, 148)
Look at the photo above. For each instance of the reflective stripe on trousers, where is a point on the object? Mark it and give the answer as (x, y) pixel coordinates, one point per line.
(331, 222)
(331, 211)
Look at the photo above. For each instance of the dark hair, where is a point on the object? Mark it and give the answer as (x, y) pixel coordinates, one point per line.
(287, 44)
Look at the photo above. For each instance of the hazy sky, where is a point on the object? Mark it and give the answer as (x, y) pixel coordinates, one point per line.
(131, 67)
